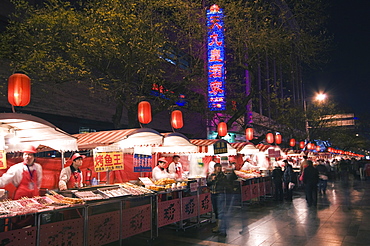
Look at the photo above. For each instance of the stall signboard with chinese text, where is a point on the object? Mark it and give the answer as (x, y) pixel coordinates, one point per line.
(2, 159)
(220, 148)
(108, 161)
(142, 163)
(216, 59)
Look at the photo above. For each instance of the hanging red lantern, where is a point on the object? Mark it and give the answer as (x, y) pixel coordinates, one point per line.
(176, 119)
(292, 142)
(222, 129)
(144, 113)
(270, 138)
(249, 134)
(301, 145)
(309, 146)
(19, 89)
(278, 138)
(318, 148)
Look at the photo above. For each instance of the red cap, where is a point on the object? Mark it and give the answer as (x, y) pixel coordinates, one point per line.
(77, 155)
(162, 159)
(30, 149)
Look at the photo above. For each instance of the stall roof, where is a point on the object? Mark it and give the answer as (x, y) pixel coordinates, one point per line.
(126, 138)
(206, 146)
(245, 148)
(27, 129)
(175, 142)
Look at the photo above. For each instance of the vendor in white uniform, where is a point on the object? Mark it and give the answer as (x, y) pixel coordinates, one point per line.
(71, 177)
(160, 172)
(25, 176)
(175, 167)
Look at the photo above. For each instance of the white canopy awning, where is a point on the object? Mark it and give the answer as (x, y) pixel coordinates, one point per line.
(21, 130)
(176, 143)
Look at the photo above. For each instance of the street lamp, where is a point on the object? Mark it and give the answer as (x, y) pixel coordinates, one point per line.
(320, 97)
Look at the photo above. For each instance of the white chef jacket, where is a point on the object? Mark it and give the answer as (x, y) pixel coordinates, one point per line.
(15, 172)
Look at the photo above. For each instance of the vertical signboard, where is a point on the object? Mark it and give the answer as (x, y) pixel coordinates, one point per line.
(216, 59)
(142, 163)
(2, 159)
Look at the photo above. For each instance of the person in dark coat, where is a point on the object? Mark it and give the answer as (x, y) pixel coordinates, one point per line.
(221, 185)
(323, 177)
(288, 177)
(310, 180)
(277, 178)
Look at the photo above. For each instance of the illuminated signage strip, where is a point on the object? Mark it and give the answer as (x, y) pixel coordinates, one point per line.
(216, 59)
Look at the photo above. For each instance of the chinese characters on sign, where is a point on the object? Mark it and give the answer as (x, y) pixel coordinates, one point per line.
(220, 147)
(216, 59)
(2, 159)
(108, 161)
(142, 163)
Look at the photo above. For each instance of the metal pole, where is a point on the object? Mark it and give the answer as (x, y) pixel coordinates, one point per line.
(306, 119)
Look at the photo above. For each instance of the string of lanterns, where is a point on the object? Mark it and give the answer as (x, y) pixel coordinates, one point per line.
(145, 117)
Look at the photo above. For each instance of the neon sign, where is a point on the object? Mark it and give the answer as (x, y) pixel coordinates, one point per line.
(216, 59)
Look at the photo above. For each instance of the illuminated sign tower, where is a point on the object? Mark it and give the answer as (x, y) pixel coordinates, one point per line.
(216, 59)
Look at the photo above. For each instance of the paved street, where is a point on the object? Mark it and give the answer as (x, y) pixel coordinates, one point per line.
(342, 217)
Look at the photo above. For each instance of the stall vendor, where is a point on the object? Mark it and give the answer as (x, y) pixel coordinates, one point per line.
(71, 177)
(247, 165)
(25, 176)
(175, 167)
(160, 172)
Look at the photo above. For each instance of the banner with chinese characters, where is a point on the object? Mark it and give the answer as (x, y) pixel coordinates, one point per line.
(142, 163)
(220, 148)
(216, 59)
(108, 161)
(2, 159)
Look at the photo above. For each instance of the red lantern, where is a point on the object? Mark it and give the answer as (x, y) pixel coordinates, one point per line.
(270, 138)
(309, 146)
(292, 142)
(318, 148)
(249, 134)
(144, 113)
(222, 129)
(19, 89)
(176, 119)
(278, 138)
(301, 145)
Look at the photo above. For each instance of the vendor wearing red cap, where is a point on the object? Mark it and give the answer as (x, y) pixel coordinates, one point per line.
(71, 177)
(25, 176)
(160, 172)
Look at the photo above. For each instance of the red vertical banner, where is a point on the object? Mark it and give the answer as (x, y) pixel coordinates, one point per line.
(136, 220)
(25, 236)
(205, 203)
(246, 193)
(168, 212)
(103, 228)
(189, 207)
(68, 232)
(262, 188)
(254, 189)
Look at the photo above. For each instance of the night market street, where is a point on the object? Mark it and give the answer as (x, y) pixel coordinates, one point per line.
(342, 217)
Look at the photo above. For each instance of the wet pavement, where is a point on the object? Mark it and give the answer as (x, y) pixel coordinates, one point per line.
(342, 217)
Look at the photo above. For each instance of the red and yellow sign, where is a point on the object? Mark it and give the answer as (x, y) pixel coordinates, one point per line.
(2, 159)
(108, 161)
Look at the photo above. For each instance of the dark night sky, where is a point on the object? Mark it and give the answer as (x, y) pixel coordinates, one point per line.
(347, 77)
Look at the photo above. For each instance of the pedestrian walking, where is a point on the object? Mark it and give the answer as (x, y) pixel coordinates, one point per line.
(289, 180)
(310, 180)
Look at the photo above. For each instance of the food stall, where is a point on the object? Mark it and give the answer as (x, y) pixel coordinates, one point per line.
(19, 131)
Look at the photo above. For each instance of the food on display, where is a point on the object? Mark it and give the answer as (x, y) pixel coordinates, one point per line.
(88, 195)
(247, 174)
(164, 181)
(114, 192)
(135, 190)
(58, 198)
